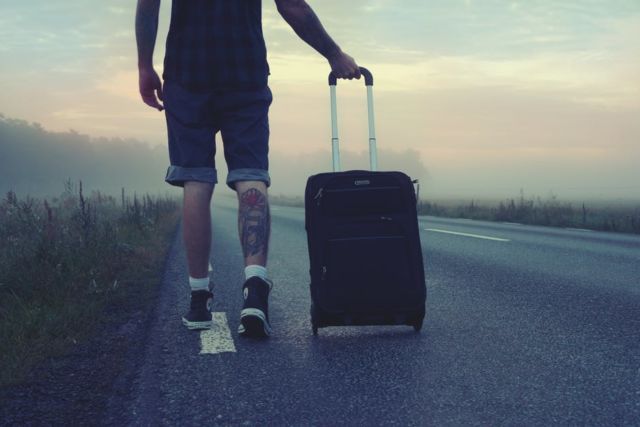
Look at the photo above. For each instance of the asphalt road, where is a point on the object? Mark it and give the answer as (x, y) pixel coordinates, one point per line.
(525, 326)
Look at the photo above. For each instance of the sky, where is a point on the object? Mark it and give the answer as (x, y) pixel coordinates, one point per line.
(487, 97)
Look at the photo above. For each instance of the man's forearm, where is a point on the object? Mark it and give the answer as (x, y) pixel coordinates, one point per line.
(307, 26)
(146, 30)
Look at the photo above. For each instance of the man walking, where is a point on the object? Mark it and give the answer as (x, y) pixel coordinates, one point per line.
(215, 80)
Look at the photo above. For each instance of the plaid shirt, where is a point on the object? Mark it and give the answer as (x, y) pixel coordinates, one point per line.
(216, 44)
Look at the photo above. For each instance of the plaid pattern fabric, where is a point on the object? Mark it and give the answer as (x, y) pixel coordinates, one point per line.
(216, 44)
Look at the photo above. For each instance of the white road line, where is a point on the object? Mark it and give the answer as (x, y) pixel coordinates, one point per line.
(477, 236)
(218, 338)
(577, 229)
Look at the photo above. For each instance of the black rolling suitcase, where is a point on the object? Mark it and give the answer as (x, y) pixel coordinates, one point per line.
(364, 245)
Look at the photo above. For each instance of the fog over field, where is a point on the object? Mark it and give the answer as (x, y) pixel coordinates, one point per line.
(38, 162)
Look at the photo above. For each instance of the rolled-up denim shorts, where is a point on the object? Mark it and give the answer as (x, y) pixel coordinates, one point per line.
(194, 119)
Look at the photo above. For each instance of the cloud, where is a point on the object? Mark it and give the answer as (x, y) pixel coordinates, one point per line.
(376, 5)
(123, 84)
(116, 10)
(563, 74)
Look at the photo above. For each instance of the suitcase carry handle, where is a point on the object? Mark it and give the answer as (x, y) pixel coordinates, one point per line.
(368, 77)
(335, 146)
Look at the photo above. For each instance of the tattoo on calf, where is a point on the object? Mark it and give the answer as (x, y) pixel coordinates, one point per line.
(254, 222)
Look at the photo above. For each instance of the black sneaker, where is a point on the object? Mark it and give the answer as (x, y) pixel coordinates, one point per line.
(254, 317)
(199, 315)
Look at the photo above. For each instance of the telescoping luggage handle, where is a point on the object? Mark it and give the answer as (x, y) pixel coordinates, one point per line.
(335, 147)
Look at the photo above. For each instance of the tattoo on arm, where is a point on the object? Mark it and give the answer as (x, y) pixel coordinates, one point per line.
(254, 222)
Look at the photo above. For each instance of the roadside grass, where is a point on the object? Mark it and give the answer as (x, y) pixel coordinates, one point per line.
(66, 262)
(624, 218)
(619, 217)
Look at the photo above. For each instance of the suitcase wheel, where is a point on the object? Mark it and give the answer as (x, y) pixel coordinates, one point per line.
(315, 329)
(417, 325)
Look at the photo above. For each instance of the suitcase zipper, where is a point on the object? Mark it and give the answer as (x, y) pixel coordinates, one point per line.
(318, 196)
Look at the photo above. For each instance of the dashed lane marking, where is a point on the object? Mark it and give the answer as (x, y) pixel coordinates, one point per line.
(477, 236)
(578, 229)
(218, 338)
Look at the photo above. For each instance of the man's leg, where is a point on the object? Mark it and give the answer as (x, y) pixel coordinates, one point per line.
(244, 125)
(197, 226)
(192, 149)
(254, 227)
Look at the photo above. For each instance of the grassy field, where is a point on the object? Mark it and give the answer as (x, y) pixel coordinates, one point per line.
(66, 260)
(619, 217)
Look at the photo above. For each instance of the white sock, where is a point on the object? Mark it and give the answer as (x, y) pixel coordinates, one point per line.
(199, 284)
(255, 270)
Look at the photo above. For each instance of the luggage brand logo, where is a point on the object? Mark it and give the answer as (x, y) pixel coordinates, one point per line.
(362, 182)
